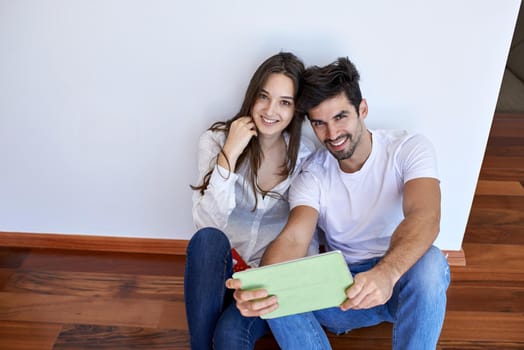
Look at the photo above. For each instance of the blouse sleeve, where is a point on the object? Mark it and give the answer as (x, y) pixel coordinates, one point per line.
(218, 201)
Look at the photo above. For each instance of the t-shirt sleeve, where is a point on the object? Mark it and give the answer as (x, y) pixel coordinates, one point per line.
(416, 158)
(305, 190)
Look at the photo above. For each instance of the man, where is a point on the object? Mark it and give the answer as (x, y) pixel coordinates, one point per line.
(376, 195)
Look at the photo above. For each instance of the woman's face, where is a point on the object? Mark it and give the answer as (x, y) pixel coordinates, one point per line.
(274, 106)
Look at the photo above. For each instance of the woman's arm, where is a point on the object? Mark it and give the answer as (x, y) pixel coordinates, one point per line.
(220, 154)
(218, 201)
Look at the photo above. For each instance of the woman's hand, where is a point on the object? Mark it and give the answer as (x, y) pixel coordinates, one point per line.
(240, 133)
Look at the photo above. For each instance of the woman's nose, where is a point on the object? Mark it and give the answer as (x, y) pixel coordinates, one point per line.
(271, 108)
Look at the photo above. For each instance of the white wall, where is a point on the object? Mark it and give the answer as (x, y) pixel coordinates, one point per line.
(102, 101)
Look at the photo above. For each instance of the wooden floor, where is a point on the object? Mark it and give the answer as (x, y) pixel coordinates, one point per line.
(69, 300)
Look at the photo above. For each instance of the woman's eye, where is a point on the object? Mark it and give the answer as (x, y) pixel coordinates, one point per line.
(287, 103)
(263, 97)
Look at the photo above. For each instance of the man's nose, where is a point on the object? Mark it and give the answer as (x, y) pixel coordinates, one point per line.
(332, 133)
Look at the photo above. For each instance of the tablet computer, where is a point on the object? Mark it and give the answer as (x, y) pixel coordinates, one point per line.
(307, 284)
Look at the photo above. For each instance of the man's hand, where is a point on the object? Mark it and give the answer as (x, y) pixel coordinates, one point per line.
(251, 303)
(370, 288)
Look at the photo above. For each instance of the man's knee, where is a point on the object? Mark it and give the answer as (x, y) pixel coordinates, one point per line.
(431, 273)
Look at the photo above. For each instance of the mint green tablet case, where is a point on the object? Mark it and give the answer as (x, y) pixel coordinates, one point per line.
(307, 284)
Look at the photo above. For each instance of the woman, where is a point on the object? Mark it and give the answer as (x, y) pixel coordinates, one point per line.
(246, 165)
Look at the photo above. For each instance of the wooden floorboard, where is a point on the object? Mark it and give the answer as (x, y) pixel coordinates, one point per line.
(479, 345)
(504, 156)
(28, 335)
(502, 168)
(60, 299)
(96, 285)
(495, 257)
(81, 337)
(487, 298)
(30, 307)
(481, 326)
(495, 235)
(505, 147)
(5, 276)
(507, 126)
(497, 217)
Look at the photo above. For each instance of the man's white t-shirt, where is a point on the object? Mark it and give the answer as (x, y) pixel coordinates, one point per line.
(359, 212)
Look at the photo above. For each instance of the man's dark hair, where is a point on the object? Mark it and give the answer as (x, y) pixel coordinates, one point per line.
(322, 83)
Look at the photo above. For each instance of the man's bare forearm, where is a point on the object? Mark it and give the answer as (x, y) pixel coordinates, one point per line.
(294, 240)
(409, 242)
(281, 250)
(417, 232)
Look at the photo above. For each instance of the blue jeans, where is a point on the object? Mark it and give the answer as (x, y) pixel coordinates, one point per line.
(213, 319)
(416, 309)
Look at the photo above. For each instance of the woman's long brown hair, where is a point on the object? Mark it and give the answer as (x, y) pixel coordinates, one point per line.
(284, 63)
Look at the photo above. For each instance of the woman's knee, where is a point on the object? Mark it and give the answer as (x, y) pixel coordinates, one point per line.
(208, 250)
(206, 238)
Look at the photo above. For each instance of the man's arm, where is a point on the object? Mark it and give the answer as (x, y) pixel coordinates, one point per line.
(411, 239)
(292, 243)
(294, 240)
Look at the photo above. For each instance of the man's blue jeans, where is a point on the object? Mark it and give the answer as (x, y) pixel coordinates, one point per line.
(416, 309)
(213, 319)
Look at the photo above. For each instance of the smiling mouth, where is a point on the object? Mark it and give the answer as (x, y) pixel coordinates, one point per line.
(269, 121)
(338, 141)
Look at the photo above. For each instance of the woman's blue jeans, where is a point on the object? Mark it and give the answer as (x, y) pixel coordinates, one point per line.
(416, 309)
(213, 319)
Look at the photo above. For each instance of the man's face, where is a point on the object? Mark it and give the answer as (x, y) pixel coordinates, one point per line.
(338, 125)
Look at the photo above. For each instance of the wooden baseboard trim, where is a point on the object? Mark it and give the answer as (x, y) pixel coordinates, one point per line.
(128, 244)
(96, 243)
(455, 257)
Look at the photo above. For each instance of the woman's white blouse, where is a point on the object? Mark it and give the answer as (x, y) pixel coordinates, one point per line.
(228, 201)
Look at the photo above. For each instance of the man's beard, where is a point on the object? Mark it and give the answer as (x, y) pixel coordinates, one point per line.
(347, 152)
